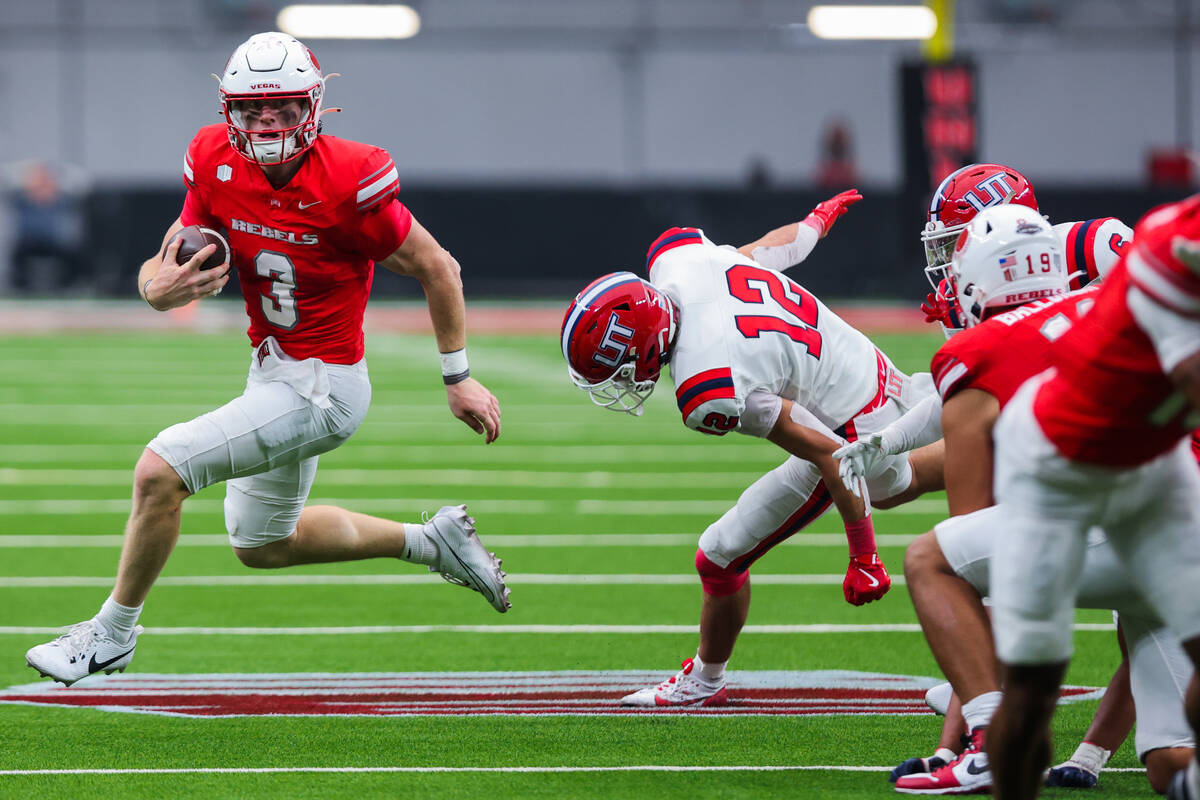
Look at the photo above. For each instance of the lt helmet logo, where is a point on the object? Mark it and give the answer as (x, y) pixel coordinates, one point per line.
(615, 344)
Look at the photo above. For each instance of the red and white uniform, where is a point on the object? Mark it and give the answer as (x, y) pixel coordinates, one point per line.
(305, 256)
(748, 338)
(1008, 349)
(1100, 439)
(1092, 247)
(304, 253)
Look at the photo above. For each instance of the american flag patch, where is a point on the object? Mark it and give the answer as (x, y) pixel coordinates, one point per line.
(1009, 264)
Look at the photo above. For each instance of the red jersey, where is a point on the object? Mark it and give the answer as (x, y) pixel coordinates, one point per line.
(304, 253)
(1008, 349)
(1110, 401)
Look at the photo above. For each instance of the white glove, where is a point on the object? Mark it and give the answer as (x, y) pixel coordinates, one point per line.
(858, 459)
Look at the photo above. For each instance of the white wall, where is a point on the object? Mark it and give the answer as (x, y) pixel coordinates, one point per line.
(617, 92)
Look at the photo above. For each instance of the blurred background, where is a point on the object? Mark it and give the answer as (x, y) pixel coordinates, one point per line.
(547, 141)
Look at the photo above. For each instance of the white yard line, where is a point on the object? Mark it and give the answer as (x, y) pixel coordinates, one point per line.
(496, 540)
(419, 579)
(588, 506)
(514, 769)
(900, 627)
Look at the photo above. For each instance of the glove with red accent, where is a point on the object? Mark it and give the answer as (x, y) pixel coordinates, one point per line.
(866, 580)
(941, 306)
(826, 213)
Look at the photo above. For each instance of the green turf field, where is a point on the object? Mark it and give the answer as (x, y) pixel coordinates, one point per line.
(632, 495)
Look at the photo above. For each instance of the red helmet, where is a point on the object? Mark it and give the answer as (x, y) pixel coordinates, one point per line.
(958, 198)
(616, 336)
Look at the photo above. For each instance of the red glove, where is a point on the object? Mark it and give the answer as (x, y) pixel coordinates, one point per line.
(827, 212)
(941, 306)
(866, 580)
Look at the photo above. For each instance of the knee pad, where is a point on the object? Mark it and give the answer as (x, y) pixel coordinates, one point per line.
(718, 581)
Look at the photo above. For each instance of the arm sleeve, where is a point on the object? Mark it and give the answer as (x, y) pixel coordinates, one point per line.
(384, 222)
(920, 425)
(782, 256)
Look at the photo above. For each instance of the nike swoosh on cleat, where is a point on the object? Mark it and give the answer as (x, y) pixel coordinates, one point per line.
(874, 581)
(96, 666)
(974, 769)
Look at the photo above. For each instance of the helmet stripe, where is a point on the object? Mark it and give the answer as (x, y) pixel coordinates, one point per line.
(939, 194)
(585, 301)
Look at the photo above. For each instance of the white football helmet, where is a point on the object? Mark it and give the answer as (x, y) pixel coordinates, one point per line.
(1007, 255)
(271, 66)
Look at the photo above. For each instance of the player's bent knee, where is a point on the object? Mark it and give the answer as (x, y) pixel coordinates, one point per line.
(154, 477)
(1162, 763)
(923, 557)
(719, 581)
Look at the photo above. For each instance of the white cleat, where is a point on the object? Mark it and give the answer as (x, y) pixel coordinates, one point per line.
(462, 558)
(681, 689)
(83, 650)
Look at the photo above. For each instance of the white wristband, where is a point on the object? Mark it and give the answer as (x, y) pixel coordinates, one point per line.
(454, 366)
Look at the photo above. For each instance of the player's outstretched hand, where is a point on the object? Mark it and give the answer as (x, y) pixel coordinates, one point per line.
(857, 459)
(827, 212)
(177, 284)
(866, 580)
(940, 306)
(471, 402)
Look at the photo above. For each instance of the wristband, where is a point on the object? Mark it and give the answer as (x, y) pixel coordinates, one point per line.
(145, 296)
(860, 535)
(454, 366)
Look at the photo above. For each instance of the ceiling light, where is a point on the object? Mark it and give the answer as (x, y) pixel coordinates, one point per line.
(349, 22)
(872, 22)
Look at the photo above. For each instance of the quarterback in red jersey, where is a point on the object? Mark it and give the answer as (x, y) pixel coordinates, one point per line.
(1006, 256)
(1100, 440)
(307, 216)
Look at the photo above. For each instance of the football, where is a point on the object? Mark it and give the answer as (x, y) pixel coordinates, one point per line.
(194, 237)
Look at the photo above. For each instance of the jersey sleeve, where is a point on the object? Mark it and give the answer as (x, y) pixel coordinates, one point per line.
(953, 366)
(384, 222)
(1093, 248)
(195, 204)
(667, 241)
(709, 402)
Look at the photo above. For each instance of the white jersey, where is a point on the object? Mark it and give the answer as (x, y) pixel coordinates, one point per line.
(1092, 247)
(746, 328)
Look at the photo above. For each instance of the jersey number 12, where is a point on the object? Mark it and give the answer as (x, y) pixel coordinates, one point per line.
(794, 311)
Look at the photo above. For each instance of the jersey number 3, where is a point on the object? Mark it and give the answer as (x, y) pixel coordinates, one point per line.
(278, 304)
(793, 310)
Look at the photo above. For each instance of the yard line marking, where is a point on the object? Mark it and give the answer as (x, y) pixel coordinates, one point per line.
(594, 479)
(803, 539)
(821, 628)
(418, 579)
(620, 768)
(585, 506)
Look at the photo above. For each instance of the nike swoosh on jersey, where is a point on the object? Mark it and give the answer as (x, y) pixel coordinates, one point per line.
(307, 205)
(96, 666)
(874, 581)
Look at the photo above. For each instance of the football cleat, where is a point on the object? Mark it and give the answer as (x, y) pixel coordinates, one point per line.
(1070, 776)
(967, 774)
(681, 689)
(938, 698)
(462, 558)
(83, 650)
(916, 766)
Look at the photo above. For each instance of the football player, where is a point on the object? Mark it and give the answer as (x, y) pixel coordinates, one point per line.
(307, 216)
(1100, 440)
(1008, 277)
(750, 351)
(1090, 247)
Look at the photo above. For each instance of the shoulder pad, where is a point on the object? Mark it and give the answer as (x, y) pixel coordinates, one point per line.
(669, 240)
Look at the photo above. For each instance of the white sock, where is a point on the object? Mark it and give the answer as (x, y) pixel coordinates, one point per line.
(944, 753)
(709, 673)
(418, 547)
(1090, 757)
(1193, 778)
(117, 619)
(978, 711)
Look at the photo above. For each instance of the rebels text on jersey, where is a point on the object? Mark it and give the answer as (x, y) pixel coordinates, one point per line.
(1110, 401)
(1005, 351)
(1092, 247)
(304, 253)
(746, 328)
